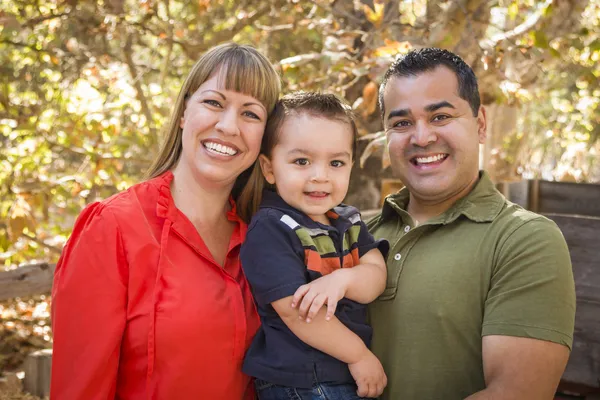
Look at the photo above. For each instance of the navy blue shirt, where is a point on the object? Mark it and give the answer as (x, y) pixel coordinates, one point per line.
(285, 249)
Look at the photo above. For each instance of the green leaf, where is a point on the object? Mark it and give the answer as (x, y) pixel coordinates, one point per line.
(540, 40)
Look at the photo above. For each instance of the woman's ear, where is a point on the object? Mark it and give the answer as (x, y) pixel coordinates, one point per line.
(266, 168)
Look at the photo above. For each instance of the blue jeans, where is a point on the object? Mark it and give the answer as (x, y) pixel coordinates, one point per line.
(320, 391)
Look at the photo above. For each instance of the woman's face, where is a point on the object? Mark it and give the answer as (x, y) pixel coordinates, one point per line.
(222, 133)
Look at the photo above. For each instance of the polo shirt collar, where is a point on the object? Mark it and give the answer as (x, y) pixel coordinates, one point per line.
(482, 204)
(338, 216)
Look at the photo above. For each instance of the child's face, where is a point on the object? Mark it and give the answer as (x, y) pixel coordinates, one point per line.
(311, 163)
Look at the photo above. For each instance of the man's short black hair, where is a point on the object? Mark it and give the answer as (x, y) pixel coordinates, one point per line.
(424, 60)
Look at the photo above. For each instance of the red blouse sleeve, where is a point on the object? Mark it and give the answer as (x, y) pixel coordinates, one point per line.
(89, 308)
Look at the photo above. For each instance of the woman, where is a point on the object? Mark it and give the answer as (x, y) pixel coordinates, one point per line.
(149, 300)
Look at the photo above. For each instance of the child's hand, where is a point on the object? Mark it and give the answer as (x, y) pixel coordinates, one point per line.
(369, 375)
(328, 289)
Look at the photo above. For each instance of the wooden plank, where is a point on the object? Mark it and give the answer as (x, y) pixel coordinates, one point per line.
(517, 192)
(37, 368)
(582, 234)
(569, 198)
(28, 280)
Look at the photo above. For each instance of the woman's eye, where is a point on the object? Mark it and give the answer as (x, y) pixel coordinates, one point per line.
(301, 161)
(212, 102)
(337, 163)
(251, 115)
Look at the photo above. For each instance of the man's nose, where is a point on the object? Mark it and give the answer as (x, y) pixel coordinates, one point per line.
(423, 135)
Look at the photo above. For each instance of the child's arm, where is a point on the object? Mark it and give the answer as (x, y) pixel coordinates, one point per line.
(362, 283)
(334, 338)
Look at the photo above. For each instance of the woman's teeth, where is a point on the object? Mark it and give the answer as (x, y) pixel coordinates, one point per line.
(219, 149)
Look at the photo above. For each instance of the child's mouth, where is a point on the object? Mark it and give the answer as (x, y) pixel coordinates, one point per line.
(317, 195)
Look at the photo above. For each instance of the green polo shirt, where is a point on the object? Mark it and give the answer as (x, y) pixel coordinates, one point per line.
(484, 267)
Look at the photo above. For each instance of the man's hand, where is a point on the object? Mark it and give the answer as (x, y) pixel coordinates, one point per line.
(329, 289)
(369, 375)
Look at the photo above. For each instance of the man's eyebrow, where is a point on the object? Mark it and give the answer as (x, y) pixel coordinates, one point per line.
(437, 106)
(403, 112)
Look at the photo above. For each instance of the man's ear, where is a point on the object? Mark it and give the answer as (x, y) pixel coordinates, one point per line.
(482, 125)
(266, 168)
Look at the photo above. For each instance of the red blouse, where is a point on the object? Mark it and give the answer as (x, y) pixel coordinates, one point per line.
(140, 309)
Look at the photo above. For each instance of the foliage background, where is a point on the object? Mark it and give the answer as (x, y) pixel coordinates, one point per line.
(86, 86)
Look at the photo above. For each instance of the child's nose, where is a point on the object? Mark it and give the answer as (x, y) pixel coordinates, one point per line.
(320, 174)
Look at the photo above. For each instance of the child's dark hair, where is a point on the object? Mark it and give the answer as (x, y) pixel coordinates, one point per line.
(315, 104)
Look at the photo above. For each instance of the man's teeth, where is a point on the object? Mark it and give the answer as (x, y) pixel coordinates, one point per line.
(431, 159)
(219, 148)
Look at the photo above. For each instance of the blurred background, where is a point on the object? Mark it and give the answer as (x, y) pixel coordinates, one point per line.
(86, 87)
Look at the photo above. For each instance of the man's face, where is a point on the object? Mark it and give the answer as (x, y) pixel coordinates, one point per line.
(433, 137)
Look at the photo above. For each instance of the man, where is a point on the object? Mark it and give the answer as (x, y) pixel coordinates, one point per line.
(480, 298)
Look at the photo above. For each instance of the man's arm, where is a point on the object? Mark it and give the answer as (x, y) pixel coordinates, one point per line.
(519, 368)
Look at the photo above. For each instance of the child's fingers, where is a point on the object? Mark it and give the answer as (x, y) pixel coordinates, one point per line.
(331, 306)
(363, 388)
(315, 307)
(300, 292)
(308, 299)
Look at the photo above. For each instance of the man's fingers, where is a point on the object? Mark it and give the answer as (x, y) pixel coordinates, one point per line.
(315, 307)
(300, 292)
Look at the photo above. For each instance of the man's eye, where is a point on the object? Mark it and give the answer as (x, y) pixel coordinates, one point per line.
(301, 161)
(401, 124)
(440, 117)
(337, 163)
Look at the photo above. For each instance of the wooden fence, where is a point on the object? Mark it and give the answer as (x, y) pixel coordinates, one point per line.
(576, 210)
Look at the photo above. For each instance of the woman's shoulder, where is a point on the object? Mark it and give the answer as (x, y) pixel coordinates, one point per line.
(131, 204)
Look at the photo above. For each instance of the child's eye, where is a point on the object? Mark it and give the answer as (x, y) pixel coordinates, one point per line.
(301, 161)
(337, 163)
(212, 102)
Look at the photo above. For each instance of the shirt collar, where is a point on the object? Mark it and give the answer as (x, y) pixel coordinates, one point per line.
(482, 204)
(338, 216)
(166, 208)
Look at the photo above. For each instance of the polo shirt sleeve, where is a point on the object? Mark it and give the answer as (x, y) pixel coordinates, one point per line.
(366, 242)
(532, 292)
(273, 259)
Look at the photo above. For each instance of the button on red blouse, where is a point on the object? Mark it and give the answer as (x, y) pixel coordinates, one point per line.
(140, 309)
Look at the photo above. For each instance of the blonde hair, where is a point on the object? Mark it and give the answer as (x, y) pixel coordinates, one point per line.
(242, 69)
(318, 105)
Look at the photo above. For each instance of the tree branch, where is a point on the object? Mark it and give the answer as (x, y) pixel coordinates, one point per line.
(519, 30)
(127, 50)
(192, 50)
(35, 239)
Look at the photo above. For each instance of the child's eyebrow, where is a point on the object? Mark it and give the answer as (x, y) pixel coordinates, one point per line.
(335, 155)
(342, 154)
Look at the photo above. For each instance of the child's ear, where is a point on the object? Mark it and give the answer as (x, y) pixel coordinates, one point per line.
(267, 168)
